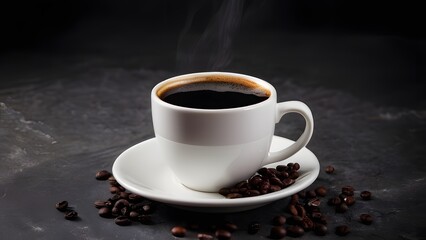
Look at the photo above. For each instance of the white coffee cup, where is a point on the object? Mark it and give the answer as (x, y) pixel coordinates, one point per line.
(208, 149)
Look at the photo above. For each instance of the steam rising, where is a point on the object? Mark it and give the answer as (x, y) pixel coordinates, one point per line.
(212, 50)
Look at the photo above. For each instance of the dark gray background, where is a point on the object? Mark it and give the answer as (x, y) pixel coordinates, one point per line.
(75, 79)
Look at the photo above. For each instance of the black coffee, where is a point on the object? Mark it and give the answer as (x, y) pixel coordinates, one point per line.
(213, 95)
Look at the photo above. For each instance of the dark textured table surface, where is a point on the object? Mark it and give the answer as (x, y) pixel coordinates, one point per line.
(69, 112)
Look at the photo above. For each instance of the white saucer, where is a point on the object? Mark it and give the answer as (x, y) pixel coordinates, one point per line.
(141, 171)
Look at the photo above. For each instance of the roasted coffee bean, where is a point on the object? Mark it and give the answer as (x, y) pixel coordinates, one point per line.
(125, 211)
(103, 175)
(62, 206)
(314, 202)
(148, 208)
(348, 190)
(349, 200)
(253, 228)
(293, 175)
(316, 216)
(341, 208)
(307, 223)
(251, 193)
(222, 234)
(274, 188)
(295, 220)
(281, 168)
(322, 220)
(276, 181)
(334, 201)
(114, 190)
(121, 203)
(263, 171)
(145, 219)
(135, 197)
(113, 182)
(321, 191)
(122, 221)
(329, 169)
(292, 209)
(320, 229)
(178, 231)
(104, 212)
(71, 215)
(277, 232)
(288, 181)
(290, 165)
(365, 195)
(302, 194)
(133, 215)
(115, 211)
(279, 220)
(366, 219)
(255, 180)
(204, 236)
(295, 167)
(100, 204)
(311, 194)
(300, 210)
(295, 231)
(294, 199)
(124, 195)
(342, 230)
(230, 227)
(115, 198)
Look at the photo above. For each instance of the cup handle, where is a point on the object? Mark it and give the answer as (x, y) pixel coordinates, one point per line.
(302, 109)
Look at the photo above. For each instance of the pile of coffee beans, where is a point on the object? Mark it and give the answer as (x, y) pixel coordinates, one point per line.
(124, 207)
(303, 213)
(266, 180)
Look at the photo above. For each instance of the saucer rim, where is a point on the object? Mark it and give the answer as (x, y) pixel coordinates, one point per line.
(217, 202)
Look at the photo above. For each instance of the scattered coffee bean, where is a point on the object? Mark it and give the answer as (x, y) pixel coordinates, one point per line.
(230, 227)
(145, 219)
(349, 200)
(329, 169)
(103, 175)
(292, 209)
(334, 201)
(104, 212)
(365, 195)
(100, 204)
(133, 215)
(178, 231)
(62, 206)
(311, 194)
(295, 220)
(321, 191)
(71, 215)
(314, 202)
(366, 219)
(277, 232)
(204, 236)
(222, 234)
(114, 190)
(253, 228)
(122, 221)
(112, 181)
(320, 229)
(279, 220)
(135, 197)
(348, 190)
(342, 208)
(342, 230)
(295, 231)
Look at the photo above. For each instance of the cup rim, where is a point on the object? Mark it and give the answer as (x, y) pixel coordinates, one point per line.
(263, 83)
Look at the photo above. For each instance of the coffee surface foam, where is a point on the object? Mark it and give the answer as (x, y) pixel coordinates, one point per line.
(214, 83)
